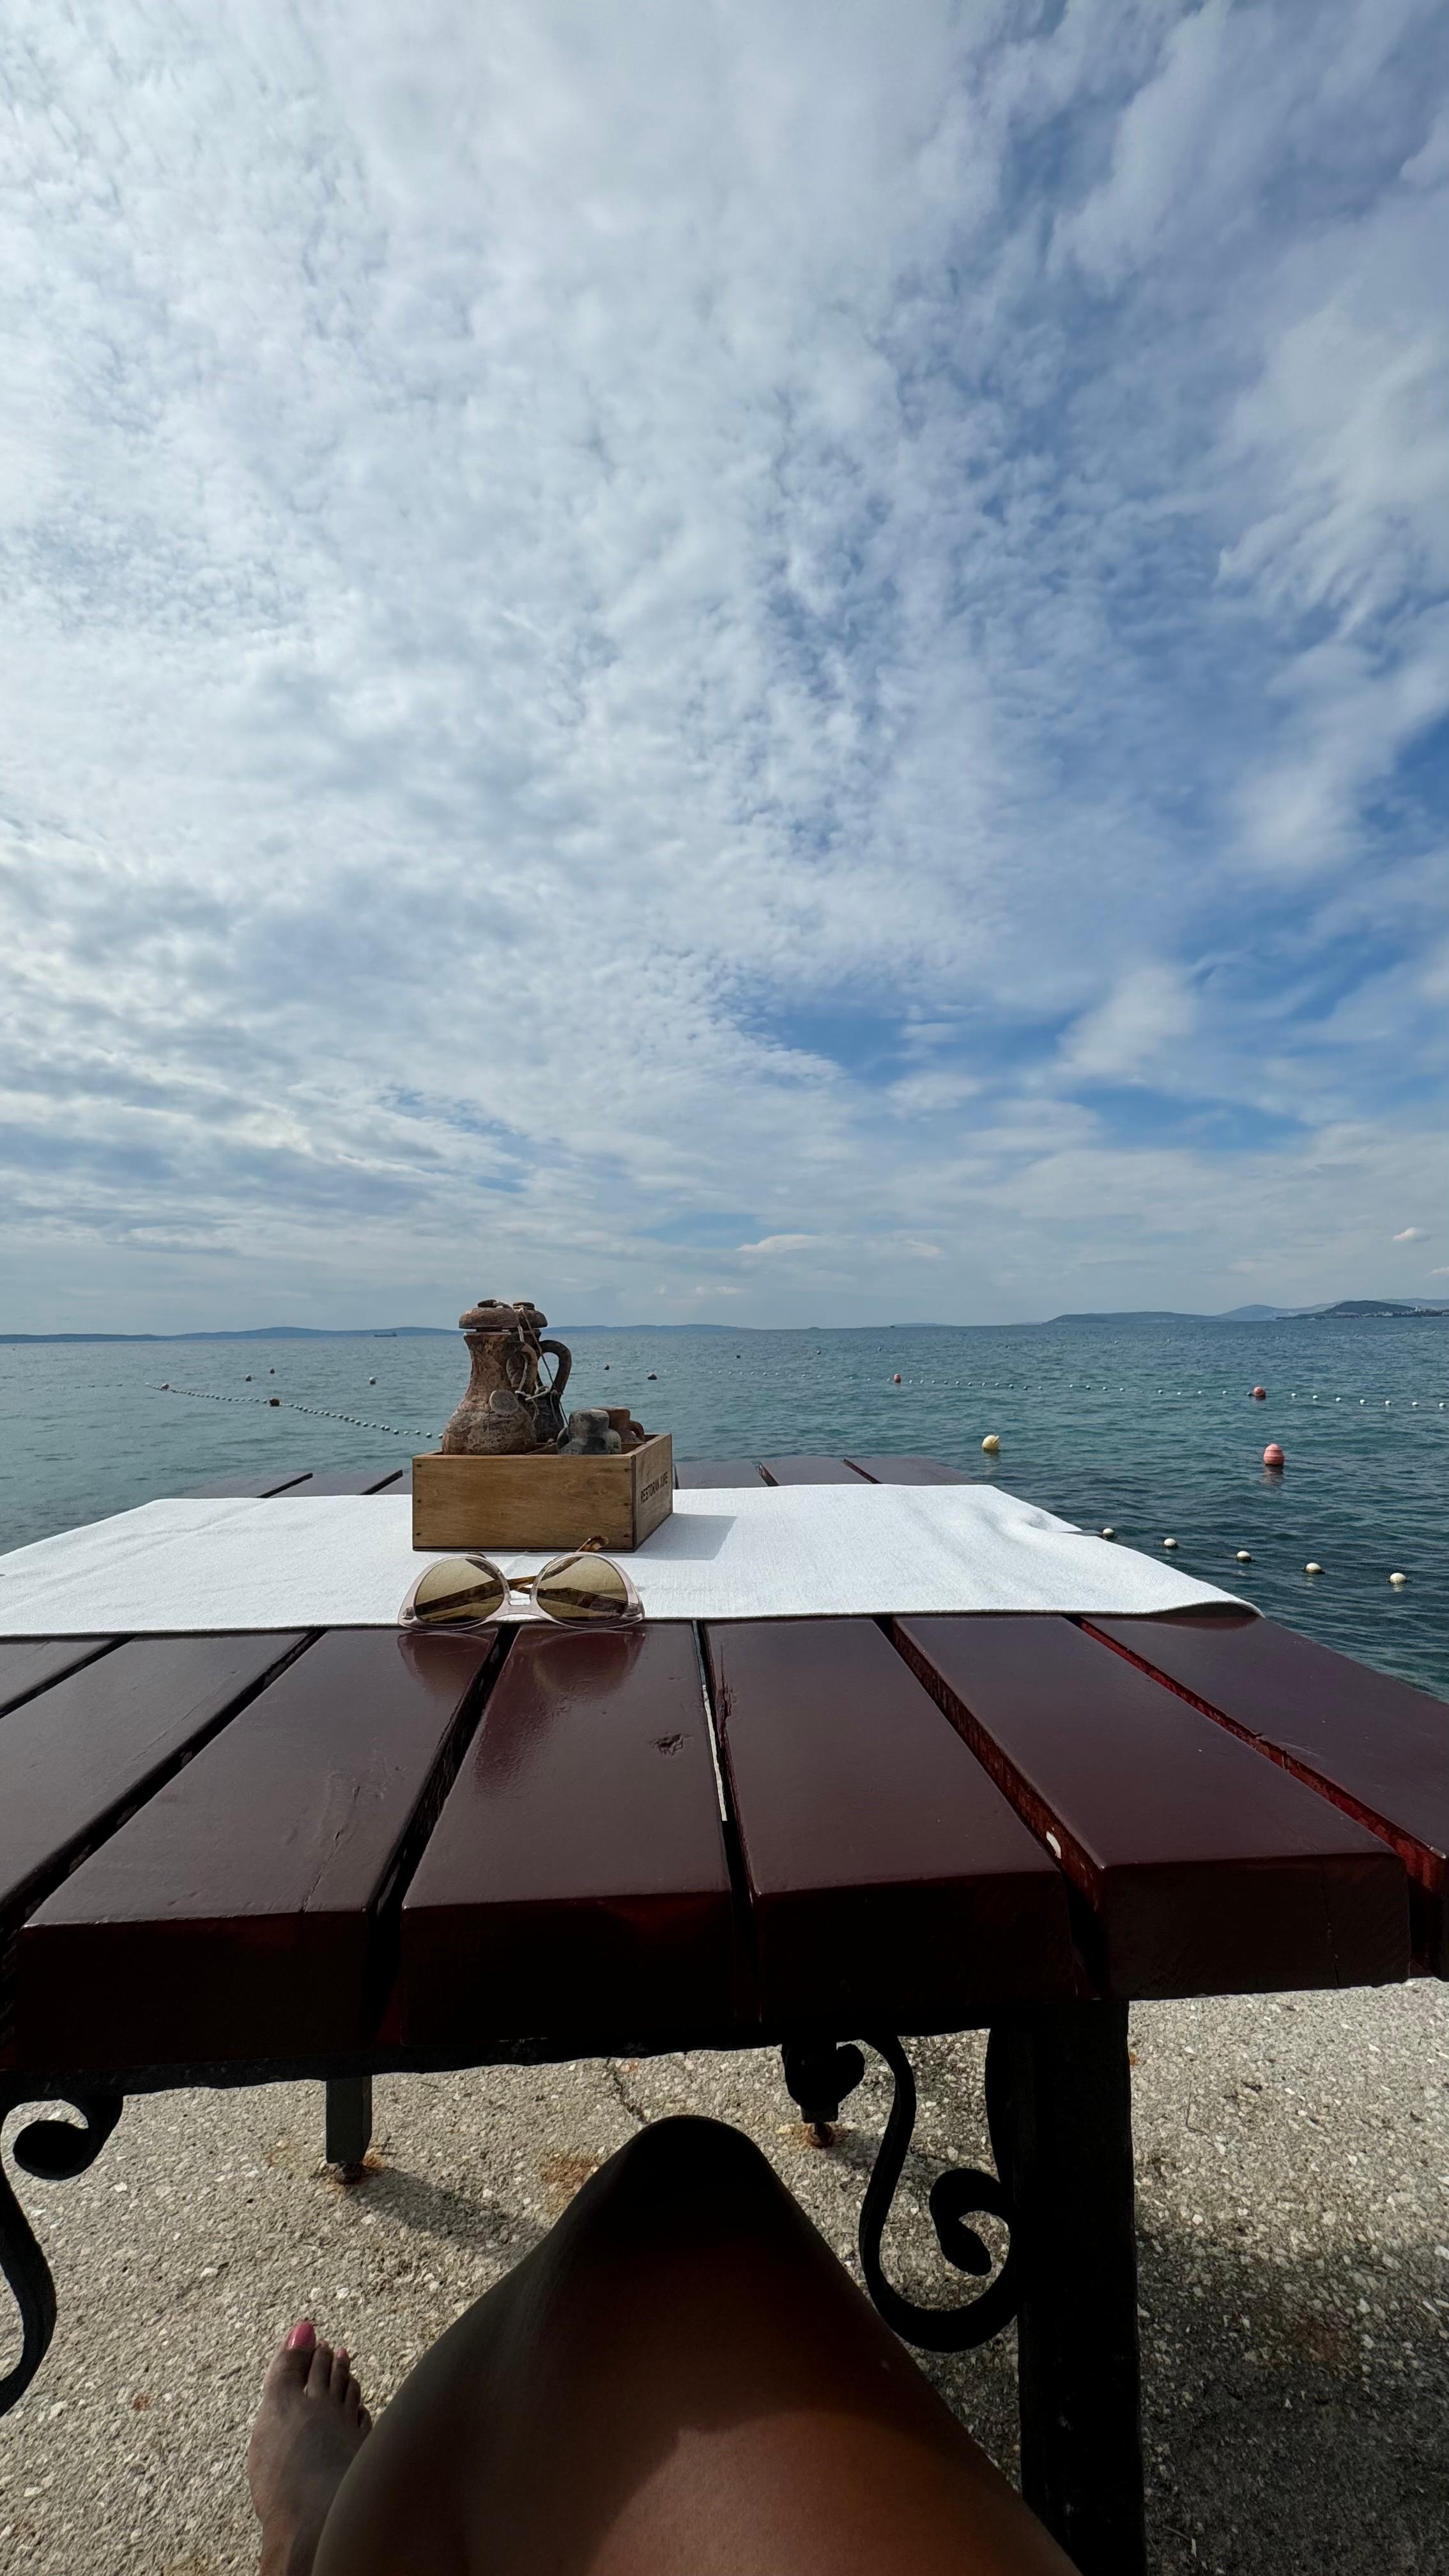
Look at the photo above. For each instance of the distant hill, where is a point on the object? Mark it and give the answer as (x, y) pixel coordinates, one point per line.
(1348, 1310)
(1183, 1315)
(1357, 1309)
(254, 1333)
(1136, 1315)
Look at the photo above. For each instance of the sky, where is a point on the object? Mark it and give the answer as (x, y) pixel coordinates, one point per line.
(721, 661)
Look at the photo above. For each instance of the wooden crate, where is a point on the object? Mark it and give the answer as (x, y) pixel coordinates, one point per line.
(543, 1501)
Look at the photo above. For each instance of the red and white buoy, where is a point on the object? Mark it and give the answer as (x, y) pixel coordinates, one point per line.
(1260, 1395)
(895, 1381)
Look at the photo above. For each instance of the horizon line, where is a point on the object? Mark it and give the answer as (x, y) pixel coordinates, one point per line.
(1263, 1312)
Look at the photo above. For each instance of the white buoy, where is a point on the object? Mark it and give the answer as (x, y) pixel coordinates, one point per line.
(1313, 1567)
(991, 1444)
(1398, 1581)
(1244, 1556)
(1169, 1542)
(1109, 1532)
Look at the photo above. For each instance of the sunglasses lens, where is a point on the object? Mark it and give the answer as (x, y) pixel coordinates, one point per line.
(458, 1589)
(583, 1587)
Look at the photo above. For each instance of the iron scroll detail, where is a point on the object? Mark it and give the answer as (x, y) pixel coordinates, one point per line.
(56, 2150)
(818, 2077)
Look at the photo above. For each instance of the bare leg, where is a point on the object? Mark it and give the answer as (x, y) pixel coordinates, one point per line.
(680, 2381)
(309, 2428)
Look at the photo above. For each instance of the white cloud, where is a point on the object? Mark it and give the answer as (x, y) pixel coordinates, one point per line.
(1411, 1234)
(608, 615)
(1148, 1015)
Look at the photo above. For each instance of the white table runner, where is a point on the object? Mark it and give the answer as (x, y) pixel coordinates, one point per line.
(790, 1552)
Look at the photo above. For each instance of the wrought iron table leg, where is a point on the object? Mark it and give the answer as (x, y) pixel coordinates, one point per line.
(819, 2074)
(349, 2120)
(57, 2150)
(1060, 2104)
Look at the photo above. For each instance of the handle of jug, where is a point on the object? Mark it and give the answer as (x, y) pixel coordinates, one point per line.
(565, 1359)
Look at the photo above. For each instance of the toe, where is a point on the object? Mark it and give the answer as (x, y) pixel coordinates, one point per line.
(352, 2399)
(292, 2360)
(364, 2420)
(341, 2371)
(319, 2377)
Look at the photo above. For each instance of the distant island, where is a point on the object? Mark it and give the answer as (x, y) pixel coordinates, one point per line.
(1358, 1307)
(1355, 1310)
(254, 1333)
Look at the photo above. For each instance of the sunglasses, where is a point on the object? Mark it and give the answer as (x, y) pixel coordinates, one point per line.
(581, 1589)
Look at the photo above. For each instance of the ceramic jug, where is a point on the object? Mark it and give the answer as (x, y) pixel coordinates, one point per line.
(509, 1406)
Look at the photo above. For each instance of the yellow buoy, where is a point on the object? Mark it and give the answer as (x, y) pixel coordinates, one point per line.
(1169, 1542)
(1398, 1581)
(991, 1443)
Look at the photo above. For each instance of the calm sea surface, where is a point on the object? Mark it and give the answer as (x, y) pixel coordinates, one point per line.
(1150, 1428)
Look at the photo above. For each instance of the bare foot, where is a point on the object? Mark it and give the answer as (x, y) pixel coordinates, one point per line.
(310, 2426)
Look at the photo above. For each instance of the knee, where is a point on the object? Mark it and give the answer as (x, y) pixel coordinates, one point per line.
(693, 2147)
(693, 2172)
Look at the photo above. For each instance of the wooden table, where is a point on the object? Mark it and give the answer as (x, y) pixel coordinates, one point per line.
(233, 1858)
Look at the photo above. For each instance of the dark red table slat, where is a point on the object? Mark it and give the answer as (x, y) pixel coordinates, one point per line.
(810, 1471)
(890, 1882)
(28, 1665)
(82, 1752)
(576, 1881)
(268, 1480)
(1377, 1747)
(237, 1906)
(693, 1475)
(1209, 1870)
(348, 1480)
(890, 1469)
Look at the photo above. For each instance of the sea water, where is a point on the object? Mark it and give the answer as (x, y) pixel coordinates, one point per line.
(1148, 1427)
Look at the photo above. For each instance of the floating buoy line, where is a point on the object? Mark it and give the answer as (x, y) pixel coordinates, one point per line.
(319, 1412)
(1173, 1394)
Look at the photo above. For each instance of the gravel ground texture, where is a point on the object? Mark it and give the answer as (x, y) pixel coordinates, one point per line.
(1293, 2174)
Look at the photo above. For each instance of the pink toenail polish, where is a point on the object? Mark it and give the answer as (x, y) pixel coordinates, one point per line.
(302, 2337)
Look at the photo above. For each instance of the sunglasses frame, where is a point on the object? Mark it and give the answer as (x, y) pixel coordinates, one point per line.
(534, 1613)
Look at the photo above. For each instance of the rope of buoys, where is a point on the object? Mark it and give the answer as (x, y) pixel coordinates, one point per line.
(317, 1412)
